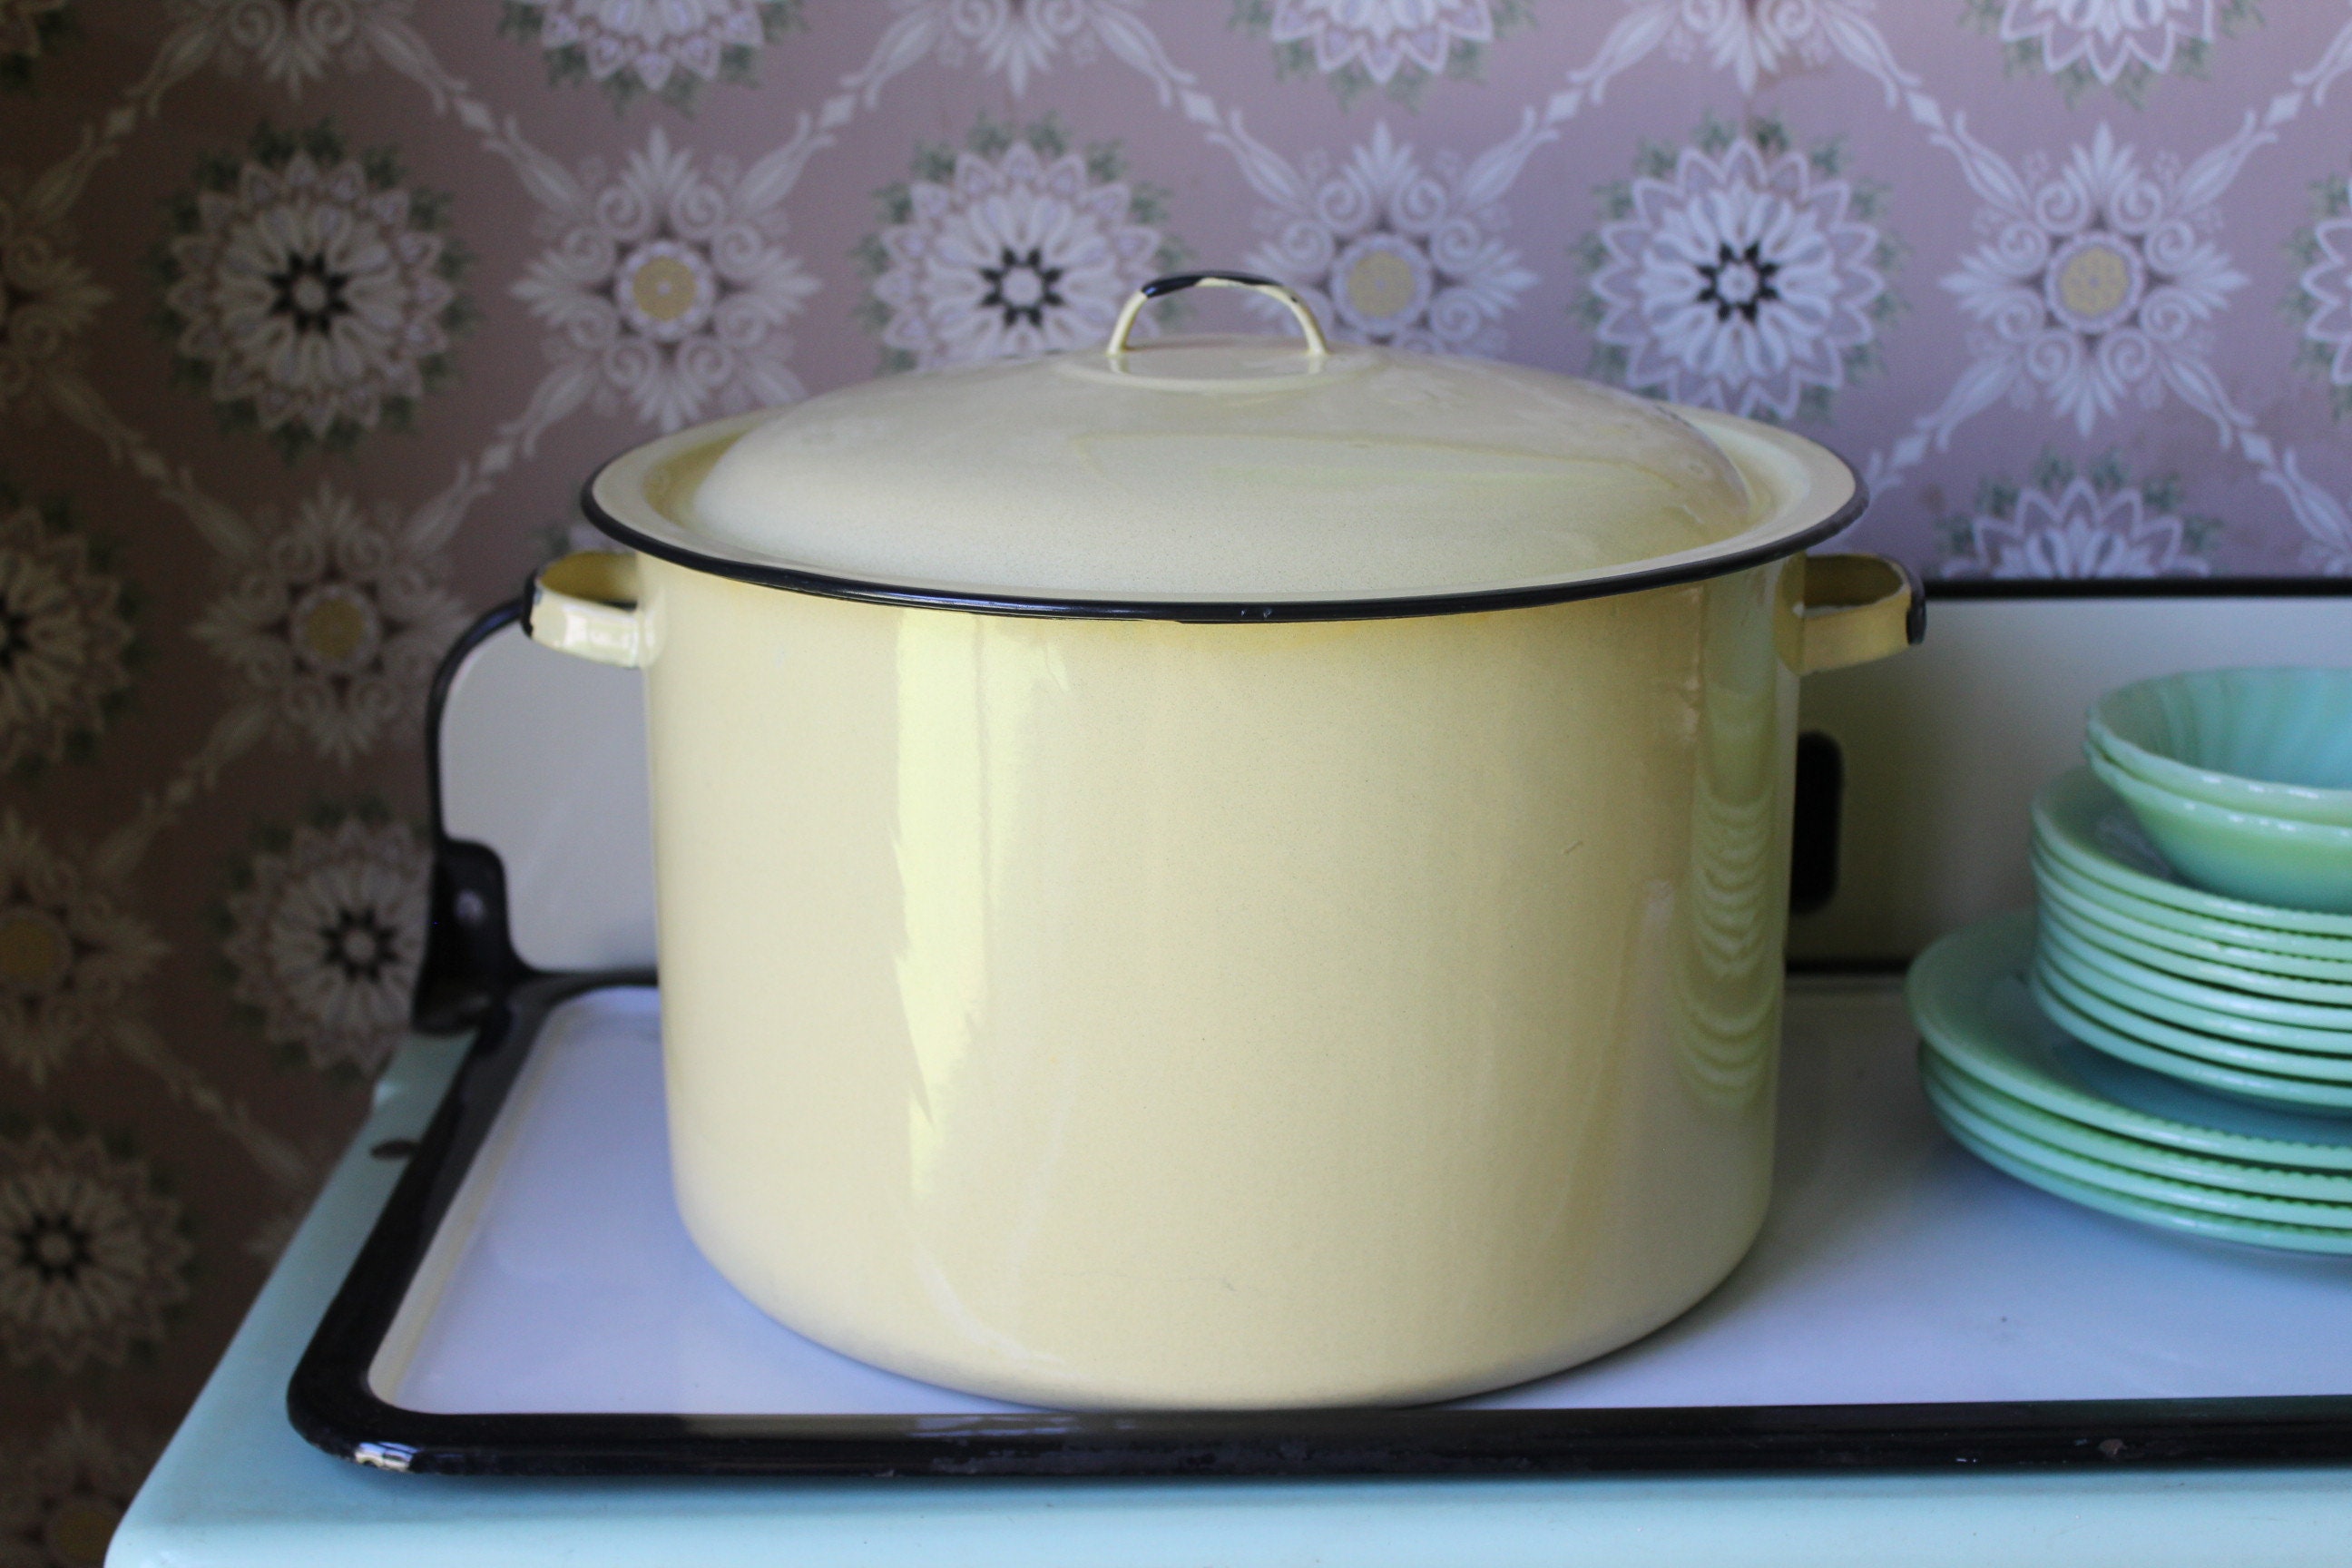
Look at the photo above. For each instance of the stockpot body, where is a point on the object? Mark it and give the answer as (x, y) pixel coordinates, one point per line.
(1102, 1013)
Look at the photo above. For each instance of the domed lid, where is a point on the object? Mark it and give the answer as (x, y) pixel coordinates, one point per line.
(1225, 477)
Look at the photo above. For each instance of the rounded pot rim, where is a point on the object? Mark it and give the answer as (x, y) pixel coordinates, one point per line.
(619, 485)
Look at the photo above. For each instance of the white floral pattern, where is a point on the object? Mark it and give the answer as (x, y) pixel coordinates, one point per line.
(1009, 251)
(46, 300)
(666, 286)
(63, 637)
(337, 624)
(326, 932)
(1017, 39)
(2324, 297)
(292, 42)
(2108, 38)
(1380, 37)
(1740, 279)
(2097, 282)
(60, 1500)
(1756, 39)
(92, 1255)
(668, 48)
(2115, 45)
(70, 959)
(2071, 526)
(1395, 44)
(1388, 250)
(309, 292)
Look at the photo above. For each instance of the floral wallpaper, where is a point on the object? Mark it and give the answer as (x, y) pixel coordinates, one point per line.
(313, 313)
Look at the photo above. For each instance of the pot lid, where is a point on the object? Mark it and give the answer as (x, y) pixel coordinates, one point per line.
(1229, 478)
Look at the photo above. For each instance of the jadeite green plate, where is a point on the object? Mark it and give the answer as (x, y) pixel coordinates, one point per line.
(2084, 824)
(1955, 1112)
(2259, 947)
(2085, 992)
(2130, 1153)
(2028, 1162)
(1968, 996)
(2266, 1021)
(2267, 1089)
(2279, 975)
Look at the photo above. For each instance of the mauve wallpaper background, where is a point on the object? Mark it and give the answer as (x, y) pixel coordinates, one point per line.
(313, 314)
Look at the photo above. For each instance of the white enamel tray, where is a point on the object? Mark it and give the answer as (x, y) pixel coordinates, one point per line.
(1894, 1269)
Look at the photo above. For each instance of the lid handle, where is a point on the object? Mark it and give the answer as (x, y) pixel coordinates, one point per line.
(1177, 282)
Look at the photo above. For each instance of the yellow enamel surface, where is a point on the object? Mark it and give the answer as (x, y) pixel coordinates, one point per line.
(586, 604)
(1112, 1014)
(1857, 609)
(1180, 473)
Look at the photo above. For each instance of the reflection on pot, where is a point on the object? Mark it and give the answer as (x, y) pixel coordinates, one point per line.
(1729, 937)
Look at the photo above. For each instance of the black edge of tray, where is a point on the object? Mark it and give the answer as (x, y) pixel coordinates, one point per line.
(331, 1405)
(469, 958)
(2138, 587)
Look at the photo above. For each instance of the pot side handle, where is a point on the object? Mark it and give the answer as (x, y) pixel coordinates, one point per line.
(1857, 608)
(586, 604)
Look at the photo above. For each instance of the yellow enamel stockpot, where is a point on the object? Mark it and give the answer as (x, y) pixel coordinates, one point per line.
(1217, 874)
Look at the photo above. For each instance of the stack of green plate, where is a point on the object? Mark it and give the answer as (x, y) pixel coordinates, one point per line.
(2011, 1085)
(2250, 1000)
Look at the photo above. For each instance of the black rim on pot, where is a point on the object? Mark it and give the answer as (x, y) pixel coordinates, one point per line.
(1665, 575)
(1666, 572)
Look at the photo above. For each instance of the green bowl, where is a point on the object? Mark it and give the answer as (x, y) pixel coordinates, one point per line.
(2082, 823)
(2262, 860)
(2263, 1088)
(2272, 743)
(2249, 956)
(2209, 1009)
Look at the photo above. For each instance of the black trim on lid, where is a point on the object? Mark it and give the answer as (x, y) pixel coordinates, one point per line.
(1238, 610)
(1177, 282)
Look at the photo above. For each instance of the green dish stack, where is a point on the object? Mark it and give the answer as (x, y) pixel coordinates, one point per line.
(2153, 1041)
(2022, 1093)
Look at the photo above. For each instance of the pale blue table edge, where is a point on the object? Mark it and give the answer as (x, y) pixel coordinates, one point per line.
(238, 1485)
